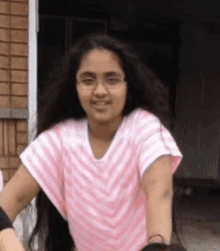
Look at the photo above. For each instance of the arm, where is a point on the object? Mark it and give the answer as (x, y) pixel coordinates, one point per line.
(158, 186)
(18, 192)
(9, 241)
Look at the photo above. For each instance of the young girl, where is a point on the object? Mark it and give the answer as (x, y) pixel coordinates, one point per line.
(103, 160)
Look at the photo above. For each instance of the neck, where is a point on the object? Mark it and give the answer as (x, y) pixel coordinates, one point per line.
(104, 131)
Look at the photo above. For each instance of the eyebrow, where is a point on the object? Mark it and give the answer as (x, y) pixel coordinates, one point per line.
(92, 74)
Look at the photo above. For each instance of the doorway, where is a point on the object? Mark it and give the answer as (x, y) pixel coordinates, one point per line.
(62, 23)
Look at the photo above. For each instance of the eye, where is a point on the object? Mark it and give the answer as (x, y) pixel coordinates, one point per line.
(88, 81)
(113, 81)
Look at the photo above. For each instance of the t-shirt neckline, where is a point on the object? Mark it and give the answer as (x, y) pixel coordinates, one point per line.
(111, 146)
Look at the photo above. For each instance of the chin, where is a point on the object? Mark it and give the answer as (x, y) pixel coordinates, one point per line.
(102, 120)
(103, 117)
(106, 120)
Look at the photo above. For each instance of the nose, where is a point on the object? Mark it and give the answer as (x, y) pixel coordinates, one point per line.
(100, 89)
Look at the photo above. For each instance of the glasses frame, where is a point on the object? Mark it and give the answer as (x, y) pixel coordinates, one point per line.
(104, 82)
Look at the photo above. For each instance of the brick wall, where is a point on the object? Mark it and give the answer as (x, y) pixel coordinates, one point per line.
(13, 81)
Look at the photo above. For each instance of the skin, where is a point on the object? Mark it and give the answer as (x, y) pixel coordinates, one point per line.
(158, 186)
(103, 122)
(18, 192)
(9, 241)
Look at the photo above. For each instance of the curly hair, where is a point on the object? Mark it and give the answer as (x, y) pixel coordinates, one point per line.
(59, 102)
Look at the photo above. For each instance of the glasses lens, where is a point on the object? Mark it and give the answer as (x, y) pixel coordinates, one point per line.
(110, 82)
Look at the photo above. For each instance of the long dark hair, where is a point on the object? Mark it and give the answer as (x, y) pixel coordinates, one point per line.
(59, 101)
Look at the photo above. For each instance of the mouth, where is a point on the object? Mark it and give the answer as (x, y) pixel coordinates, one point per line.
(101, 104)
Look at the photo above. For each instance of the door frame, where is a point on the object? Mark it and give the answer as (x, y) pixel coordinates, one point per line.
(29, 215)
(32, 67)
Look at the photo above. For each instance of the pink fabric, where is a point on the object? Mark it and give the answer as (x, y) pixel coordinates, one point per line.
(101, 198)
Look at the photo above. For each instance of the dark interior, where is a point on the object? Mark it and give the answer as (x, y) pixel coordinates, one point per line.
(155, 37)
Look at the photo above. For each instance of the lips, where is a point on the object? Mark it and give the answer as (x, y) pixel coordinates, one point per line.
(101, 104)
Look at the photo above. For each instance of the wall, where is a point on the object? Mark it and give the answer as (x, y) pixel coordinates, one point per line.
(13, 83)
(198, 100)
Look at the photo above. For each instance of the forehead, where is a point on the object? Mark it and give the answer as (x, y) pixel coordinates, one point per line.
(100, 61)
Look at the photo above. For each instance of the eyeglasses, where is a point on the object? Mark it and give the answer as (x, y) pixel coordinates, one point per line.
(89, 83)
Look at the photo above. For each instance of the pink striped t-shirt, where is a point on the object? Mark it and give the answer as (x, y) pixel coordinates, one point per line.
(101, 198)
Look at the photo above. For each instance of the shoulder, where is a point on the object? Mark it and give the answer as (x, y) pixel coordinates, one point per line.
(142, 118)
(69, 125)
(140, 124)
(72, 129)
(145, 126)
(61, 130)
(56, 136)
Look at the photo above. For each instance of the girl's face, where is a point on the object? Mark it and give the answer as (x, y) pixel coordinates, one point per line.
(101, 87)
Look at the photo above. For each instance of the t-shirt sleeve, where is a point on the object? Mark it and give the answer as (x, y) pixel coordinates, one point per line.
(43, 159)
(153, 141)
